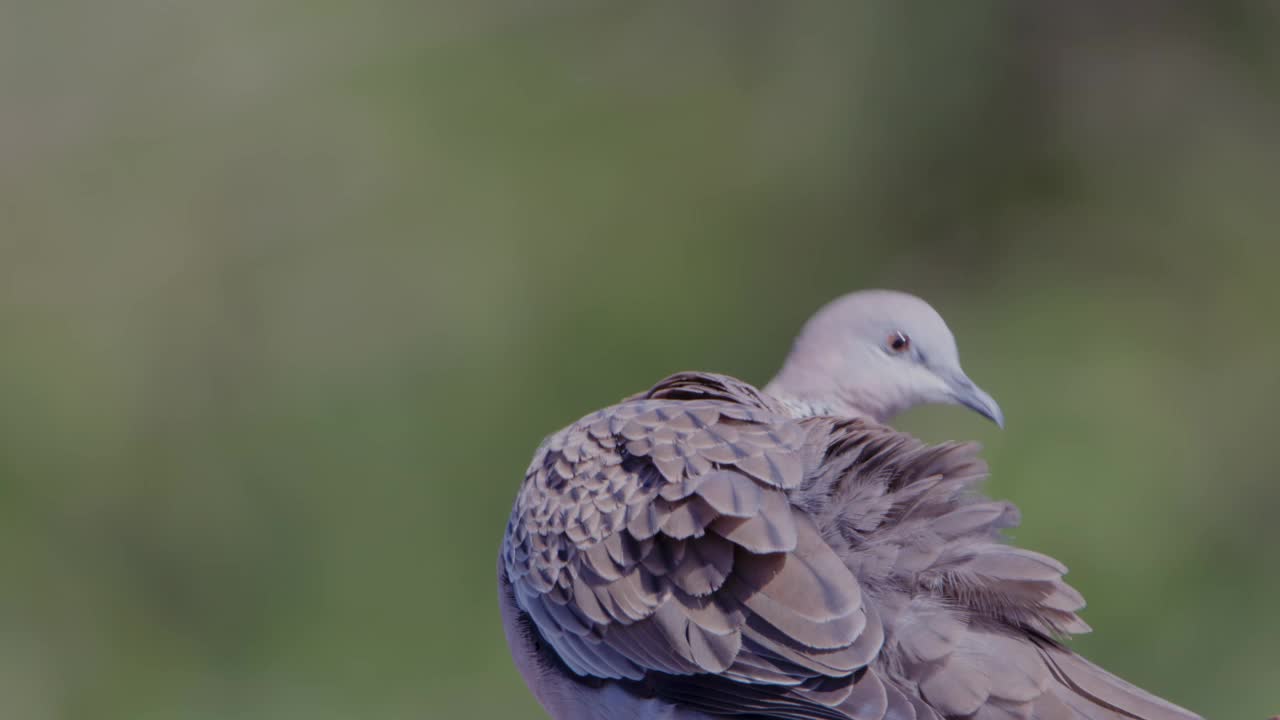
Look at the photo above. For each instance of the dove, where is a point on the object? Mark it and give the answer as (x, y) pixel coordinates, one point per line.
(709, 549)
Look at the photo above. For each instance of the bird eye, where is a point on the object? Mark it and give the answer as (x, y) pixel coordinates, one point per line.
(899, 342)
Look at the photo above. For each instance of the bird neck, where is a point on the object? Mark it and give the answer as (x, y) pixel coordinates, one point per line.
(838, 401)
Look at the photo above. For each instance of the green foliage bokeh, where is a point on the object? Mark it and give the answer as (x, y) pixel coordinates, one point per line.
(292, 290)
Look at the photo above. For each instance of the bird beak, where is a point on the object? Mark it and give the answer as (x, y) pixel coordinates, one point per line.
(964, 392)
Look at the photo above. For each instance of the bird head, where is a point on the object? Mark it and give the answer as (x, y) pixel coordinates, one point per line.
(877, 353)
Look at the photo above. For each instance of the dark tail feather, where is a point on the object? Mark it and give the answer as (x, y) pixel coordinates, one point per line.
(1096, 694)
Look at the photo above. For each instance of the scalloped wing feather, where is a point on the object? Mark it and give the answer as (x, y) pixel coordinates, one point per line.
(656, 535)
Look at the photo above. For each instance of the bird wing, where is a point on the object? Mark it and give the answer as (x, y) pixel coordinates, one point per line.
(654, 541)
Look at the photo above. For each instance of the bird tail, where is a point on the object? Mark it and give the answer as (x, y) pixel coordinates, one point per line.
(1095, 694)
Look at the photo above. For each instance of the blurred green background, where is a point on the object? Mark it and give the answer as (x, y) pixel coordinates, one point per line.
(291, 291)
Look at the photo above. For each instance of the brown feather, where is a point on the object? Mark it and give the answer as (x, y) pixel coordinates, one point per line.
(737, 559)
